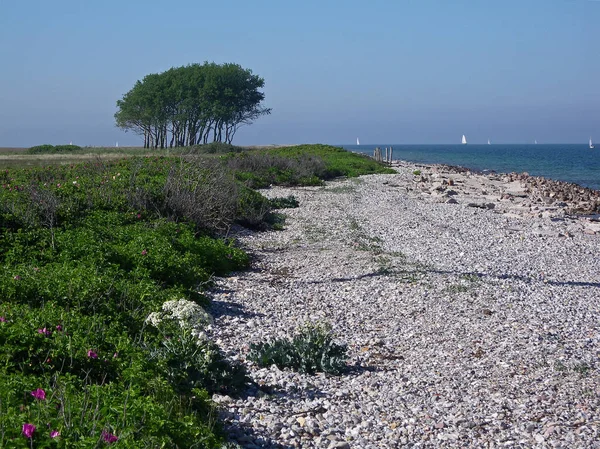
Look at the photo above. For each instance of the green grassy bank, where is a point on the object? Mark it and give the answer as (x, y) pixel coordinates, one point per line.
(104, 265)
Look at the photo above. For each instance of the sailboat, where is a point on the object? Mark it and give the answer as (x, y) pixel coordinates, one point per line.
(535, 142)
(489, 143)
(591, 144)
(464, 140)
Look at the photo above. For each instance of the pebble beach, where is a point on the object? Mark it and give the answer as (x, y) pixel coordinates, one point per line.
(470, 307)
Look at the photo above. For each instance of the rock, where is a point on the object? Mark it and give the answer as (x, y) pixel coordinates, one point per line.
(339, 445)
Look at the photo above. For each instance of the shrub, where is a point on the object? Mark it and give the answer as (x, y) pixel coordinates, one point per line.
(254, 210)
(46, 148)
(311, 350)
(260, 169)
(187, 356)
(214, 148)
(417, 172)
(288, 202)
(66, 148)
(204, 195)
(51, 149)
(337, 161)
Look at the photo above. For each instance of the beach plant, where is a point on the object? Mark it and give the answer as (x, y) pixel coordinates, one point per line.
(188, 357)
(288, 202)
(51, 149)
(213, 148)
(300, 165)
(311, 350)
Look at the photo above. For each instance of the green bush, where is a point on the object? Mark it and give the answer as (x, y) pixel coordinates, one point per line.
(300, 165)
(214, 148)
(46, 148)
(66, 148)
(288, 202)
(259, 169)
(51, 149)
(310, 351)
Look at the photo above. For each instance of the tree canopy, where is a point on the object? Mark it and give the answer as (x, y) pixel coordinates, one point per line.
(194, 104)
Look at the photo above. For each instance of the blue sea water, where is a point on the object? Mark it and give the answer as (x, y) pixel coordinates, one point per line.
(575, 163)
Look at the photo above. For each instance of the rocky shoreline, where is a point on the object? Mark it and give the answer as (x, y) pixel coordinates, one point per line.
(469, 303)
(575, 198)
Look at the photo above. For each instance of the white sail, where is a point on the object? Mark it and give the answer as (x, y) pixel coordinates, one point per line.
(535, 142)
(357, 141)
(489, 143)
(591, 144)
(464, 139)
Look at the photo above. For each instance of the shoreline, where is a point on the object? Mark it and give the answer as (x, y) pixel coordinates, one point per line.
(516, 194)
(466, 326)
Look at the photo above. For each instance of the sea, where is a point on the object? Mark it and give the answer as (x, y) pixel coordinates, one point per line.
(575, 163)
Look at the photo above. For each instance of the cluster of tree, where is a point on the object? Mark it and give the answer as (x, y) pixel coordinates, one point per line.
(195, 104)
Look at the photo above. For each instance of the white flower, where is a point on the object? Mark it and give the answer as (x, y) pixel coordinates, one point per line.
(154, 318)
(189, 314)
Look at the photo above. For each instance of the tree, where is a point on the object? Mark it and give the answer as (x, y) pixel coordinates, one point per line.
(192, 104)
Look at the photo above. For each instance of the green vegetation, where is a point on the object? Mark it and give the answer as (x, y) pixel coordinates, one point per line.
(88, 253)
(52, 149)
(311, 350)
(194, 104)
(300, 165)
(212, 148)
(289, 202)
(103, 267)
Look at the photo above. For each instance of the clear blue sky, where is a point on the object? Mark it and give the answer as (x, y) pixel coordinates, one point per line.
(393, 71)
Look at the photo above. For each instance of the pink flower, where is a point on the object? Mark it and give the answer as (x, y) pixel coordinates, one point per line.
(2, 319)
(139, 216)
(115, 355)
(46, 332)
(92, 355)
(54, 434)
(28, 430)
(144, 252)
(17, 278)
(59, 328)
(109, 437)
(39, 394)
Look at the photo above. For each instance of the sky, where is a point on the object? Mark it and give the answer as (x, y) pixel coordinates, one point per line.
(387, 71)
